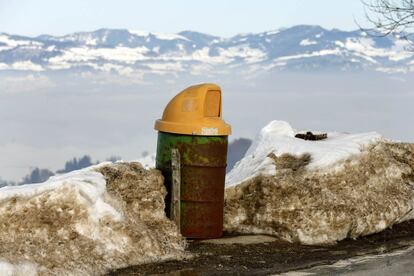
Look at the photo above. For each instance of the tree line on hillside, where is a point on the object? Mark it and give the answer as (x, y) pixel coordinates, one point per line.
(38, 175)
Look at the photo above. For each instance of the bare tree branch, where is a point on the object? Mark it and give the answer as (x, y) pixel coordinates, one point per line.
(390, 17)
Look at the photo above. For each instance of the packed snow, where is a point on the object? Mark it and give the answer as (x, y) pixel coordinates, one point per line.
(279, 137)
(87, 222)
(319, 192)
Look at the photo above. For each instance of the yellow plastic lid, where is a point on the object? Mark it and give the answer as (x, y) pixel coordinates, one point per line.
(195, 111)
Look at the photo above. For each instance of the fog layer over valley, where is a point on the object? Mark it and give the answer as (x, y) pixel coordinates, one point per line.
(105, 115)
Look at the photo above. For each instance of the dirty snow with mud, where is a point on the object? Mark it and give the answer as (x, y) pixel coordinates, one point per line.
(317, 192)
(86, 222)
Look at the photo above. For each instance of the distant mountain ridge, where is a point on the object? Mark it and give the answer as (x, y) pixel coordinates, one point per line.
(121, 51)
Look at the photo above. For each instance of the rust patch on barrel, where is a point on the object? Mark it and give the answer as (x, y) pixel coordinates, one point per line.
(203, 160)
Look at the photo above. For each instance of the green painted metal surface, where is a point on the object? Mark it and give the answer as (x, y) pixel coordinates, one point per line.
(203, 170)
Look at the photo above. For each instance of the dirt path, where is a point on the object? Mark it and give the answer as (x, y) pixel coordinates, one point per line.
(274, 257)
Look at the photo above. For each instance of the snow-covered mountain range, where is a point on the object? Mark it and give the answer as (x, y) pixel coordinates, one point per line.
(299, 48)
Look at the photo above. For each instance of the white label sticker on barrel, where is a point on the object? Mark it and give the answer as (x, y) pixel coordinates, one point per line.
(209, 131)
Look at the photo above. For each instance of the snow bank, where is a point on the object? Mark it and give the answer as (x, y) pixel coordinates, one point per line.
(86, 222)
(278, 137)
(316, 192)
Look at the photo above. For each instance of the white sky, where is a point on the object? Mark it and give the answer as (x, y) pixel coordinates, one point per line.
(219, 17)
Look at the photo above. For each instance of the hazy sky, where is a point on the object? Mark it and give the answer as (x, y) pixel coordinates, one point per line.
(219, 17)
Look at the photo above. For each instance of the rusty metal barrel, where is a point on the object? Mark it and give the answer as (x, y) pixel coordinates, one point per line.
(192, 123)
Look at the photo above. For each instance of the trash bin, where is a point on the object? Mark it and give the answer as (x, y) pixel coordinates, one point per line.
(192, 123)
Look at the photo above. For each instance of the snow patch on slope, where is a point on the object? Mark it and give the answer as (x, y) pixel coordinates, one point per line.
(307, 42)
(162, 36)
(366, 46)
(16, 42)
(26, 66)
(326, 52)
(123, 54)
(250, 55)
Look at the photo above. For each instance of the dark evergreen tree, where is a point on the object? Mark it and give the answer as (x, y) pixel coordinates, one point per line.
(76, 164)
(37, 176)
